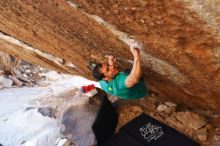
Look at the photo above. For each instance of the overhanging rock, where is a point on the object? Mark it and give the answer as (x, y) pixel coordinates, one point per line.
(181, 55)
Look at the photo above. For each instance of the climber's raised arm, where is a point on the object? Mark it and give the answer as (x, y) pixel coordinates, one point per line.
(136, 71)
(124, 84)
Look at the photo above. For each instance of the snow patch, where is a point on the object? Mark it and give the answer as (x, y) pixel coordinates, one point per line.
(28, 128)
(21, 127)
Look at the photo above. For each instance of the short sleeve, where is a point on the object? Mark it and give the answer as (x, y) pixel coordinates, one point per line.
(121, 81)
(106, 87)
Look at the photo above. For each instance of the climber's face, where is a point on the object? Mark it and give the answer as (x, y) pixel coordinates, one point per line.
(109, 71)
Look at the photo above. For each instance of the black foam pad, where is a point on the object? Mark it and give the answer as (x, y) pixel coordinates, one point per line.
(146, 131)
(122, 139)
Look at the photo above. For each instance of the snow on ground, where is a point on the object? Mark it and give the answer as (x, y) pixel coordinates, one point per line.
(22, 127)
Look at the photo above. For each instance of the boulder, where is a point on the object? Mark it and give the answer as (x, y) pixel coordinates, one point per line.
(16, 81)
(47, 111)
(83, 116)
(168, 107)
(170, 104)
(162, 108)
(43, 83)
(216, 137)
(5, 82)
(190, 120)
(180, 39)
(202, 134)
(52, 76)
(174, 122)
(170, 110)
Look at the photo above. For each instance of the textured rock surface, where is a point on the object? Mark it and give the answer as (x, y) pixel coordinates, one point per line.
(185, 48)
(206, 135)
(190, 120)
(181, 55)
(4, 82)
(208, 11)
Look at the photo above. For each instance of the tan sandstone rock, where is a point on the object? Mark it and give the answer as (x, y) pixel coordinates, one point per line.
(202, 134)
(191, 120)
(216, 137)
(162, 108)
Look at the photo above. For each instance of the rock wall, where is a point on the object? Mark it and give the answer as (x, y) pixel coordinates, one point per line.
(181, 54)
(56, 28)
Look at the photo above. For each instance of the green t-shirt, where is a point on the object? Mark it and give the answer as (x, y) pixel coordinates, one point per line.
(118, 88)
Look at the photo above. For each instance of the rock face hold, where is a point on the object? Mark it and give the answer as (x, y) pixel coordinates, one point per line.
(181, 42)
